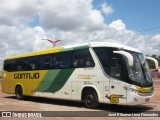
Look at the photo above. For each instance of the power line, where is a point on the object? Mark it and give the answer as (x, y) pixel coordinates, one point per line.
(153, 28)
(143, 30)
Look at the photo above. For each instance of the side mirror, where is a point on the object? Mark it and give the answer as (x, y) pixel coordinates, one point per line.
(127, 55)
(154, 60)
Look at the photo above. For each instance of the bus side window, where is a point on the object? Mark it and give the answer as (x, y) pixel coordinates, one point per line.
(82, 58)
(35, 62)
(62, 60)
(117, 70)
(19, 64)
(56, 63)
(103, 55)
(8, 65)
(27, 66)
(48, 62)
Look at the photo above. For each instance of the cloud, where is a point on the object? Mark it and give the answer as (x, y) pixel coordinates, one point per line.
(154, 43)
(15, 12)
(15, 41)
(118, 25)
(156, 37)
(107, 9)
(70, 15)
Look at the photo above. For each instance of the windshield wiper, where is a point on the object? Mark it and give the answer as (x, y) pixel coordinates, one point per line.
(135, 74)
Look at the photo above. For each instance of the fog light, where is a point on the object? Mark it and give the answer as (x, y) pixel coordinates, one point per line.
(135, 99)
(147, 100)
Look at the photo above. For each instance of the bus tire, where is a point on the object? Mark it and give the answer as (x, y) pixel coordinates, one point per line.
(91, 99)
(19, 93)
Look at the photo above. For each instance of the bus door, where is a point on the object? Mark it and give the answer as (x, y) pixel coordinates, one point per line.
(118, 94)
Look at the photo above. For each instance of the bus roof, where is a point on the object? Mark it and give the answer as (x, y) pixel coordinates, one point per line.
(113, 45)
(74, 47)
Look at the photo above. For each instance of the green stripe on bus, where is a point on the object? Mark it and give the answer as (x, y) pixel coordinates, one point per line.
(80, 47)
(47, 80)
(66, 49)
(60, 80)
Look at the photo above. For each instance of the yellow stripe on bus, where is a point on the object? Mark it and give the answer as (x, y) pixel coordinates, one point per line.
(143, 89)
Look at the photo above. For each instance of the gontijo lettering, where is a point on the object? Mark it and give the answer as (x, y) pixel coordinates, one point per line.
(26, 76)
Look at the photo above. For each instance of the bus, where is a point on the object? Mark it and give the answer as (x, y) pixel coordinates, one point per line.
(95, 72)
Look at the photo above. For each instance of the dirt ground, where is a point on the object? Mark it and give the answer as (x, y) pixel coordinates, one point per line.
(10, 103)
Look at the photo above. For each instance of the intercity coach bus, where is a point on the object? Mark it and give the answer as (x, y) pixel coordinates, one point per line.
(96, 72)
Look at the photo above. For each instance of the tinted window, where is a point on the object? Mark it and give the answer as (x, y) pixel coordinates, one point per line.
(35, 63)
(63, 60)
(47, 62)
(117, 70)
(8, 65)
(82, 58)
(103, 54)
(18, 65)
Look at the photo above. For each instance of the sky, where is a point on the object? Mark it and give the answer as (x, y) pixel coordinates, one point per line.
(24, 23)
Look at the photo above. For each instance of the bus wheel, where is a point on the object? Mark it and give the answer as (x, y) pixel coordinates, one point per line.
(19, 93)
(91, 99)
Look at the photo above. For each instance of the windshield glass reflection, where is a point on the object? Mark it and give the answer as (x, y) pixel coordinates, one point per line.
(139, 73)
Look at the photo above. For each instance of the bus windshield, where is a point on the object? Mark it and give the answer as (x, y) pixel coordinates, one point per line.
(139, 73)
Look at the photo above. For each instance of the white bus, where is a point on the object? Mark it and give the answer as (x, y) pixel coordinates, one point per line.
(97, 72)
